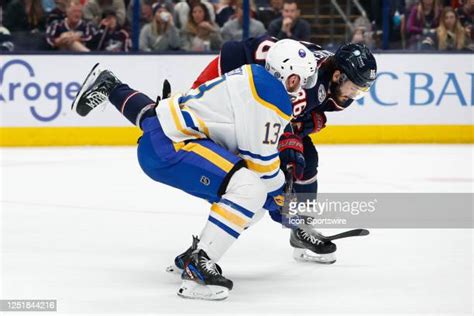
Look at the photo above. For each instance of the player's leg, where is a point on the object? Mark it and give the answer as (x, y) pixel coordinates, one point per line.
(211, 71)
(306, 241)
(243, 197)
(101, 86)
(206, 170)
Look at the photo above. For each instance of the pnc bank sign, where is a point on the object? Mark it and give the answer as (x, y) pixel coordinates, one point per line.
(422, 89)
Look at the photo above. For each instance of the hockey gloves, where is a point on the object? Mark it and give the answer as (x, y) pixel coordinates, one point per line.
(290, 147)
(310, 123)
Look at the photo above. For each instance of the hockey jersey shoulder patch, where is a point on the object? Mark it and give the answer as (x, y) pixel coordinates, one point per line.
(269, 91)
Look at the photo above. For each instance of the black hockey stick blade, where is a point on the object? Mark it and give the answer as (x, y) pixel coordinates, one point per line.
(346, 234)
(166, 91)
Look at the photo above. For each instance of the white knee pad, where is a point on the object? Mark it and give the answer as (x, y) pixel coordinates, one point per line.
(246, 189)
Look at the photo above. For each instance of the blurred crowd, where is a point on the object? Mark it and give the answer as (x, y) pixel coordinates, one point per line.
(431, 24)
(203, 25)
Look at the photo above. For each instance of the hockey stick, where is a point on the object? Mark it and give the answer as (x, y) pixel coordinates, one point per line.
(289, 180)
(349, 233)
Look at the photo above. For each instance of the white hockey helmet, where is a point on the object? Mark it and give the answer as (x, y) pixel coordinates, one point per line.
(289, 57)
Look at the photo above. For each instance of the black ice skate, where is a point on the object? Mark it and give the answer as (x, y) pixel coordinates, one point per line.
(309, 246)
(202, 279)
(95, 90)
(181, 259)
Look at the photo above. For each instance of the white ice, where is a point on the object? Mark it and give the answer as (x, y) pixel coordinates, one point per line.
(85, 226)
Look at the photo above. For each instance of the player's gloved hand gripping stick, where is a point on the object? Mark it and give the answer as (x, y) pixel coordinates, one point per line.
(291, 147)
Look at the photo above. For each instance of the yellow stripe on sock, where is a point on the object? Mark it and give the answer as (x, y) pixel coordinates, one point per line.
(231, 217)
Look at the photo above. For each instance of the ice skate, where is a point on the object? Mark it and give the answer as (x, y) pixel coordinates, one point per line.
(181, 259)
(203, 280)
(95, 90)
(309, 246)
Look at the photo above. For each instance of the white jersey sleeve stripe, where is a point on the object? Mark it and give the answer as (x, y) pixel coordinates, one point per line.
(173, 122)
(257, 156)
(196, 119)
(260, 168)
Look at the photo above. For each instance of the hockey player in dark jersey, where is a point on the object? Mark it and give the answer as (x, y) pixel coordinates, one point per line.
(342, 78)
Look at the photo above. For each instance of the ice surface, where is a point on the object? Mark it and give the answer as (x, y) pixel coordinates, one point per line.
(85, 226)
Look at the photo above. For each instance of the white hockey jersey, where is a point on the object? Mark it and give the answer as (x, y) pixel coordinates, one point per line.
(244, 111)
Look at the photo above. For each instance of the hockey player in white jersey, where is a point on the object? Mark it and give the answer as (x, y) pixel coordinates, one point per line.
(217, 142)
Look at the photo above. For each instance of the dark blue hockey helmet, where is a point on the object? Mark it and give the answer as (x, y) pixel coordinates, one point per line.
(357, 63)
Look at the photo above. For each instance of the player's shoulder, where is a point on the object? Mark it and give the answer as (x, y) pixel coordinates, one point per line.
(260, 39)
(269, 91)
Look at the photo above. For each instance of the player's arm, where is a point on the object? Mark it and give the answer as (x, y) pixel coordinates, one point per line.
(258, 148)
(309, 123)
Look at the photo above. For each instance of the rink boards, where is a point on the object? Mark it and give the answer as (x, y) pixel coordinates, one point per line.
(416, 99)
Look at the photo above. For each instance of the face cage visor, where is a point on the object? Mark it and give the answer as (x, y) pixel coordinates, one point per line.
(350, 89)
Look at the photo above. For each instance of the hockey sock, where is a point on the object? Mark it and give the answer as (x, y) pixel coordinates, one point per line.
(245, 195)
(129, 102)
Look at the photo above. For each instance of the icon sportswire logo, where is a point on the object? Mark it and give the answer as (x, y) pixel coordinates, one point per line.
(33, 90)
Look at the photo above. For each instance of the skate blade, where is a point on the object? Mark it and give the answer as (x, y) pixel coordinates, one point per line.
(306, 255)
(174, 269)
(86, 84)
(193, 290)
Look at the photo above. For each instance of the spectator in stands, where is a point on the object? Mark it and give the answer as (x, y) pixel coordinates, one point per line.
(466, 17)
(183, 8)
(24, 16)
(362, 36)
(363, 33)
(146, 7)
(94, 9)
(450, 34)
(423, 20)
(111, 37)
(225, 11)
(160, 34)
(267, 14)
(72, 33)
(200, 33)
(290, 25)
(59, 11)
(233, 29)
